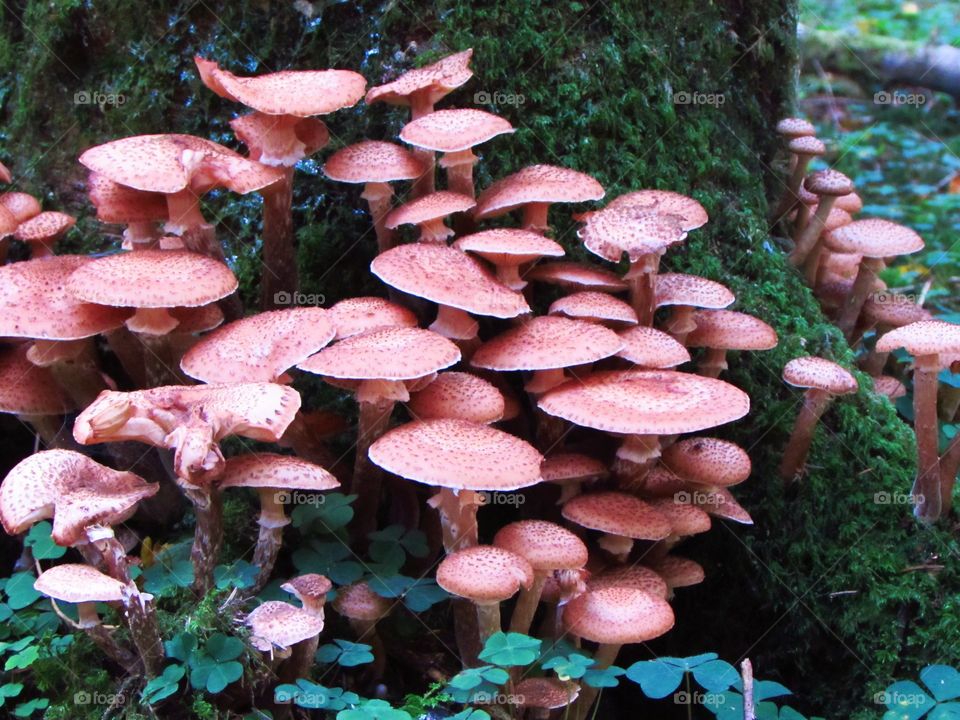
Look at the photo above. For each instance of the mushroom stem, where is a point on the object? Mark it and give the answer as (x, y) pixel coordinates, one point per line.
(273, 518)
(454, 324)
(421, 103)
(374, 421)
(862, 287)
(279, 258)
(535, 217)
(301, 660)
(458, 517)
(681, 323)
(379, 197)
(459, 167)
(815, 403)
(142, 235)
(80, 379)
(527, 603)
(434, 231)
(926, 489)
(104, 639)
(789, 198)
(488, 621)
(208, 535)
(807, 238)
(129, 351)
(183, 212)
(713, 362)
(642, 277)
(604, 657)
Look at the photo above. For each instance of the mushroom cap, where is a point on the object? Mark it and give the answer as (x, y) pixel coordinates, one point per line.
(5, 175)
(191, 321)
(74, 490)
(460, 396)
(484, 574)
(353, 316)
(664, 202)
(373, 161)
(692, 290)
(359, 602)
(891, 310)
(575, 276)
(652, 348)
(926, 337)
(722, 504)
(8, 223)
(636, 577)
(618, 615)
(889, 386)
(171, 163)
(836, 218)
(811, 199)
(47, 225)
(457, 454)
(79, 583)
(509, 246)
(563, 467)
(546, 693)
(446, 276)
(646, 402)
(874, 238)
(685, 519)
(279, 624)
(828, 183)
(536, 184)
(545, 545)
(708, 461)
(795, 127)
(547, 342)
(807, 145)
(614, 231)
(269, 470)
(815, 372)
(387, 354)
(437, 79)
(26, 389)
(280, 140)
(118, 203)
(594, 306)
(259, 348)
(152, 279)
(21, 205)
(434, 206)
(730, 330)
(35, 302)
(312, 586)
(677, 571)
(453, 130)
(288, 92)
(851, 203)
(617, 513)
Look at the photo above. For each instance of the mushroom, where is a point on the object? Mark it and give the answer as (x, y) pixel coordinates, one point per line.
(613, 617)
(819, 255)
(676, 571)
(32, 394)
(723, 330)
(311, 590)
(8, 226)
(927, 341)
(547, 547)
(886, 311)
(273, 477)
(465, 459)
(803, 149)
(636, 577)
(285, 631)
(508, 249)
(21, 205)
(708, 462)
(458, 395)
(542, 695)
(574, 276)
(828, 185)
(427, 212)
(375, 164)
(649, 348)
(140, 211)
(455, 133)
(534, 189)
(622, 518)
(685, 519)
(685, 293)
(570, 471)
(596, 307)
(824, 380)
(43, 231)
(363, 608)
(873, 240)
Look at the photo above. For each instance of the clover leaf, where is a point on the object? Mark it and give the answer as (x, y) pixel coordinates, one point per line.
(313, 696)
(657, 678)
(374, 710)
(510, 649)
(569, 667)
(345, 653)
(41, 543)
(164, 685)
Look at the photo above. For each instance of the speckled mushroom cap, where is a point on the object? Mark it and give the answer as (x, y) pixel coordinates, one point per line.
(269, 470)
(660, 481)
(821, 374)
(677, 571)
(311, 588)
(652, 348)
(457, 454)
(503, 246)
(446, 276)
(353, 316)
(78, 583)
(685, 519)
(171, 163)
(636, 577)
(387, 354)
(617, 616)
(730, 330)
(26, 389)
(807, 145)
(359, 602)
(259, 348)
(536, 184)
(429, 207)
(74, 490)
(893, 310)
(874, 238)
(563, 467)
(484, 574)
(373, 161)
(646, 402)
(198, 319)
(617, 513)
(889, 386)
(21, 205)
(721, 503)
(851, 203)
(288, 92)
(811, 199)
(828, 183)
(927, 337)
(595, 307)
(47, 225)
(117, 203)
(664, 202)
(547, 342)
(439, 79)
(708, 461)
(574, 276)
(280, 140)
(613, 232)
(453, 130)
(545, 545)
(792, 127)
(276, 624)
(460, 396)
(35, 302)
(692, 290)
(546, 693)
(152, 279)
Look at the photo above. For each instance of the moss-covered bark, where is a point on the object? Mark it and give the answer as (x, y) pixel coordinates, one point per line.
(818, 593)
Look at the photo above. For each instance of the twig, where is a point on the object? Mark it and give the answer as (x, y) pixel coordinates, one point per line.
(746, 675)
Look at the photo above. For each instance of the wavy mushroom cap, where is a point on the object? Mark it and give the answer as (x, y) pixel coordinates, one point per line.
(27, 389)
(509, 246)
(693, 291)
(276, 624)
(373, 161)
(664, 202)
(574, 276)
(594, 307)
(269, 470)
(636, 577)
(547, 342)
(730, 330)
(454, 129)
(536, 184)
(652, 348)
(545, 545)
(927, 337)
(484, 574)
(79, 583)
(460, 396)
(708, 461)
(435, 80)
(434, 206)
(117, 203)
(613, 232)
(310, 589)
(617, 513)
(820, 374)
(874, 238)
(618, 616)
(46, 227)
(359, 602)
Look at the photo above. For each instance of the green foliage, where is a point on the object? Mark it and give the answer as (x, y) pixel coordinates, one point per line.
(373, 710)
(41, 544)
(164, 685)
(511, 649)
(906, 700)
(419, 594)
(313, 696)
(213, 665)
(345, 653)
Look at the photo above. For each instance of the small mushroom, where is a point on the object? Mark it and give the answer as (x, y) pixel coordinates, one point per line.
(637, 577)
(596, 307)
(676, 572)
(652, 349)
(828, 185)
(508, 249)
(622, 518)
(353, 316)
(311, 590)
(140, 211)
(574, 276)
(364, 609)
(286, 633)
(21, 205)
(427, 212)
(460, 396)
(570, 471)
(540, 696)
(883, 312)
(723, 330)
(803, 149)
(685, 293)
(708, 462)
(43, 231)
